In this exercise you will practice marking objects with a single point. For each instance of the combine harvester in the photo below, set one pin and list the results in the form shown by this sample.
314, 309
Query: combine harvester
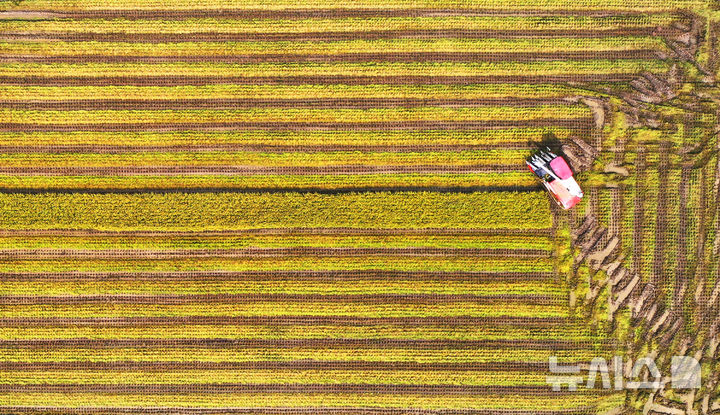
556, 176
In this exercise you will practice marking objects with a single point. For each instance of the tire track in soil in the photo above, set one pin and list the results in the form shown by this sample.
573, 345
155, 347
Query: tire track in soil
700, 271
682, 279
639, 212
658, 277
617, 196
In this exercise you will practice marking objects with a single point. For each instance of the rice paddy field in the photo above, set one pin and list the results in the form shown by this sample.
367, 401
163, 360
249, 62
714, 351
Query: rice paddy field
312, 207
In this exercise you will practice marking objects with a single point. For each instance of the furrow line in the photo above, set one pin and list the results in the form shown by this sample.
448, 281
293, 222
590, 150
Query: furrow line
167, 299
274, 190
434, 344
164, 366
245, 103
283, 275
260, 148
326, 36
648, 54
266, 253
271, 231
254, 170
219, 388
320, 13
175, 80
285, 320
581, 123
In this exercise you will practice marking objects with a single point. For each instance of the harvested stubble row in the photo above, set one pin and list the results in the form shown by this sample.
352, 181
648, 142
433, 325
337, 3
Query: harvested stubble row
298, 207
